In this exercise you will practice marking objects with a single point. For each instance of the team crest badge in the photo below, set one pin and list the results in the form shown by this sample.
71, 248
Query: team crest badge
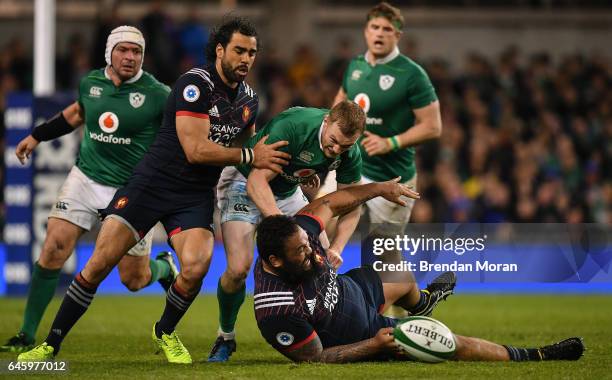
121, 203
137, 99
334, 165
385, 82
246, 113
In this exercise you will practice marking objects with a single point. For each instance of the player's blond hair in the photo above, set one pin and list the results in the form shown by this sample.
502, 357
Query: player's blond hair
350, 117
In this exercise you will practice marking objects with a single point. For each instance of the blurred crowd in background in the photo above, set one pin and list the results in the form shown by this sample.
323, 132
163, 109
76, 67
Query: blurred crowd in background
525, 138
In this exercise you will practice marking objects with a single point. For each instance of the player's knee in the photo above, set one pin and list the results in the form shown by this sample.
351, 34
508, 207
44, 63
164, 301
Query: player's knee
54, 253
193, 271
238, 274
134, 281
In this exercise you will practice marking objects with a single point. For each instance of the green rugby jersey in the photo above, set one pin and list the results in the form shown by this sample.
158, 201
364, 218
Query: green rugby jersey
120, 124
388, 92
301, 127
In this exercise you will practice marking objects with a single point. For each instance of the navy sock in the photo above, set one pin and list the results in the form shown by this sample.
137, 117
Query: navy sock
420, 304
177, 303
523, 354
76, 301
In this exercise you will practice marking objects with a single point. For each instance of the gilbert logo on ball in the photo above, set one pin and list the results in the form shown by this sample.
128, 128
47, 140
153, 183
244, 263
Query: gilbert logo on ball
425, 339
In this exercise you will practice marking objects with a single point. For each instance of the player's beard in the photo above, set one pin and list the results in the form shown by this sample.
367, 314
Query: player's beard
230, 72
295, 273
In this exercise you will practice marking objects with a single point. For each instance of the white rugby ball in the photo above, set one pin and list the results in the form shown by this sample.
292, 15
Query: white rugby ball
425, 339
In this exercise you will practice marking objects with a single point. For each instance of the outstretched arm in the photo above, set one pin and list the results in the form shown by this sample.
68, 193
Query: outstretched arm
345, 200
62, 123
313, 351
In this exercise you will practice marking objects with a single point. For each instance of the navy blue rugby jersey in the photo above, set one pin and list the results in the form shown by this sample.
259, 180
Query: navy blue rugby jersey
330, 306
200, 93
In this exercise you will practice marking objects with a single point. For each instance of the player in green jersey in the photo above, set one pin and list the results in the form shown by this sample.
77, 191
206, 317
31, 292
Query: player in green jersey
402, 111
121, 108
401, 107
319, 140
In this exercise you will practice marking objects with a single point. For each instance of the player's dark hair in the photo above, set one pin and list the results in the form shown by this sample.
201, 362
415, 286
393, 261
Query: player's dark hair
350, 117
389, 12
222, 34
272, 233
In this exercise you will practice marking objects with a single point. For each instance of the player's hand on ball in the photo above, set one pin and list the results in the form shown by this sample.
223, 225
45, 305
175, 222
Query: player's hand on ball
393, 191
269, 157
384, 342
25, 147
375, 145
334, 258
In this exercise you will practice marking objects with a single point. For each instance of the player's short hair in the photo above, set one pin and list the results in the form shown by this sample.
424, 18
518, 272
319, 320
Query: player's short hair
389, 12
222, 34
350, 117
272, 233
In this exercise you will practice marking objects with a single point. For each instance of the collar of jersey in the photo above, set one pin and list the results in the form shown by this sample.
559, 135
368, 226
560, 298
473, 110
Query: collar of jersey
131, 80
320, 133
390, 57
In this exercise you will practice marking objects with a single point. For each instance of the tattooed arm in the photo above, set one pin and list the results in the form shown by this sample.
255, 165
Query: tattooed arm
313, 351
343, 201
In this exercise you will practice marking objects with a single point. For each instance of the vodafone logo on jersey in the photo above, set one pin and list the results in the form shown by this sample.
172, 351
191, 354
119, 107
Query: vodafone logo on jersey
108, 122
363, 100
304, 173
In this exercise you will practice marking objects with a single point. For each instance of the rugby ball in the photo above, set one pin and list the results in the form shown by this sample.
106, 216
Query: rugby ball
425, 339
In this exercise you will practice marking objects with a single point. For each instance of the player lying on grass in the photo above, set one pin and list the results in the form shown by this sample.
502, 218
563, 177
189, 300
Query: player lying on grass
308, 312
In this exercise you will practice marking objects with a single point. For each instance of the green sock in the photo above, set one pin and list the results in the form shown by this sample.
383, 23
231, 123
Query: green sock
42, 287
159, 269
229, 305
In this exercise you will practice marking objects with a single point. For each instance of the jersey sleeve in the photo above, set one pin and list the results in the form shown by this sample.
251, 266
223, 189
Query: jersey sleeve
345, 76
312, 224
286, 332
192, 95
282, 129
421, 92
80, 91
349, 170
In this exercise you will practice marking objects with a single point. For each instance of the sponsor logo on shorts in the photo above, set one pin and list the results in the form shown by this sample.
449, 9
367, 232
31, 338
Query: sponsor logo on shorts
108, 122
241, 207
285, 338
137, 99
121, 203
191, 93
61, 205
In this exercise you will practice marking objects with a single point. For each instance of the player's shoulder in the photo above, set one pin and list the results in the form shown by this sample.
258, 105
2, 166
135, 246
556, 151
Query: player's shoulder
405, 63
248, 90
198, 76
93, 75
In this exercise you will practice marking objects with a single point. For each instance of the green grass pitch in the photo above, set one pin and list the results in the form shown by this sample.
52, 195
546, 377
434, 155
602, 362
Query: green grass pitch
112, 341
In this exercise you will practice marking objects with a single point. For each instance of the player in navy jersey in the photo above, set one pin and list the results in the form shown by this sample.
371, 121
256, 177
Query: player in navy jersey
308, 312
209, 110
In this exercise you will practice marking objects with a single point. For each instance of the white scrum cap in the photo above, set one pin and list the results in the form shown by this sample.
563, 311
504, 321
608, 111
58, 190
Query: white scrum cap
123, 33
